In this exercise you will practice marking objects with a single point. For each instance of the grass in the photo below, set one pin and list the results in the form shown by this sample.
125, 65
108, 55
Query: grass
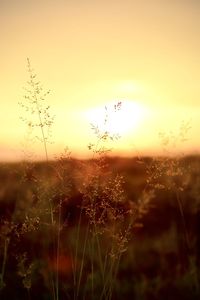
105, 228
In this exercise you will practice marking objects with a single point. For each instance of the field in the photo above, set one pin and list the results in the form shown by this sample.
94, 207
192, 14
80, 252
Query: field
105, 228
102, 228
100, 150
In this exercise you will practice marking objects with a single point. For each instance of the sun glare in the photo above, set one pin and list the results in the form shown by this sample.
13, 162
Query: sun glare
120, 121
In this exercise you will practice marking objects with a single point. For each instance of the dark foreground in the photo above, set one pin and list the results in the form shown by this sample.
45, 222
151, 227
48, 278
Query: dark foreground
110, 229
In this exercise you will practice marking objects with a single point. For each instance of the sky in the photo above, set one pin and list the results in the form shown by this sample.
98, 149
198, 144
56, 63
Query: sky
93, 54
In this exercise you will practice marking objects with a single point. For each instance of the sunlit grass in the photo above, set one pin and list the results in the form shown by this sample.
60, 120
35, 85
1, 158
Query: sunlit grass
71, 229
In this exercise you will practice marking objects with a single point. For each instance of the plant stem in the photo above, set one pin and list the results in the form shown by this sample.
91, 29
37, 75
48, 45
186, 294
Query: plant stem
6, 243
82, 261
180, 205
58, 249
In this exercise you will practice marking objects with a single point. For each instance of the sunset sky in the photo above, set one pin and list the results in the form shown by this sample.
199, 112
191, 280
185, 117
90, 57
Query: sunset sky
93, 54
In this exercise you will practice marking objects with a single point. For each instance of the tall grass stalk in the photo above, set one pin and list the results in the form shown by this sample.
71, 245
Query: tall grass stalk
92, 237
40, 118
5, 252
185, 232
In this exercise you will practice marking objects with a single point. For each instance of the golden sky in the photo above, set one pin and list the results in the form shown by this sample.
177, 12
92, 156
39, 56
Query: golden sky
89, 53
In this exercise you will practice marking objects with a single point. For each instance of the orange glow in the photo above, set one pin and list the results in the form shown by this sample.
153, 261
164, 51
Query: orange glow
95, 53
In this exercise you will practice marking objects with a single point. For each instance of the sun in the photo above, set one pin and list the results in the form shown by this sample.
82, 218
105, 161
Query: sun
121, 117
